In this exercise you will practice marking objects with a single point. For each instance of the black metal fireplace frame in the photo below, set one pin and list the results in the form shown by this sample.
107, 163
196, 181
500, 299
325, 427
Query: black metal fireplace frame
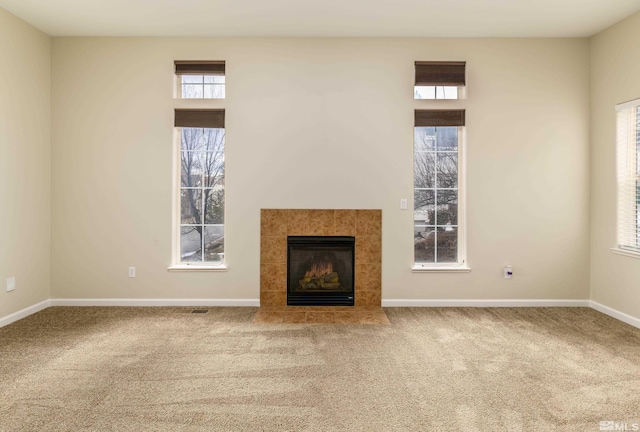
320, 298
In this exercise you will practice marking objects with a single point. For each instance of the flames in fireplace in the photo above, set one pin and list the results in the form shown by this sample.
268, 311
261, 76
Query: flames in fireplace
320, 276
319, 270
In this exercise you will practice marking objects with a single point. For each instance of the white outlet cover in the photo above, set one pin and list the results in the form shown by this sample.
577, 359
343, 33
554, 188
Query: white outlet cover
11, 284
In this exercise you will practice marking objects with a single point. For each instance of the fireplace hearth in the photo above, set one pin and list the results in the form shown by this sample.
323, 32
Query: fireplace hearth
320, 270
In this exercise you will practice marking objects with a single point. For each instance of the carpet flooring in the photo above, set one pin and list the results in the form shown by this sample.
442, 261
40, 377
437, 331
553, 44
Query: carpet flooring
430, 369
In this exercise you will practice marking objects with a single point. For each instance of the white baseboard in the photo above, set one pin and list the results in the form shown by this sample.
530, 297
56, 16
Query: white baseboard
9, 319
621, 316
256, 303
485, 303
155, 302
614, 313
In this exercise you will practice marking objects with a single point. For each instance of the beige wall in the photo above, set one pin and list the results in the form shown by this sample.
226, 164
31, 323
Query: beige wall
320, 123
25, 102
615, 78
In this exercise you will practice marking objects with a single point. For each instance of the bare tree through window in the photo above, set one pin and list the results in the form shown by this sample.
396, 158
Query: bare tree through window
202, 86
202, 194
436, 194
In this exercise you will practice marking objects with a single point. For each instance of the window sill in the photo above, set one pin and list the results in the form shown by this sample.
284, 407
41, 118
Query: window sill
202, 268
457, 269
625, 252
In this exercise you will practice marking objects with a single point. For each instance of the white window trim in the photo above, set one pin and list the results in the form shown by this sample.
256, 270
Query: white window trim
625, 252
628, 104
176, 264
462, 265
419, 268
175, 199
620, 249
197, 267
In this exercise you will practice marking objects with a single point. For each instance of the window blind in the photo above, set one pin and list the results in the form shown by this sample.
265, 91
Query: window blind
425, 118
440, 73
193, 67
199, 118
628, 167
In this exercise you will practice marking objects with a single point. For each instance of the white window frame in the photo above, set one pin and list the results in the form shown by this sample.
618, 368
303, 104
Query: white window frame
440, 77
176, 218
628, 179
177, 263
179, 84
461, 265
201, 69
460, 92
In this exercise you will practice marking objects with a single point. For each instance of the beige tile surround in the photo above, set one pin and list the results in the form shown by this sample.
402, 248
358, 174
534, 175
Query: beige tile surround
277, 224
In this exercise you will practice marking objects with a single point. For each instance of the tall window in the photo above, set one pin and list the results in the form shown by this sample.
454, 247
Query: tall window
628, 143
439, 80
201, 192
437, 187
200, 79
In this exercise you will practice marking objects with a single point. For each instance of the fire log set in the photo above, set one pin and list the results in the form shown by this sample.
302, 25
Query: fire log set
320, 276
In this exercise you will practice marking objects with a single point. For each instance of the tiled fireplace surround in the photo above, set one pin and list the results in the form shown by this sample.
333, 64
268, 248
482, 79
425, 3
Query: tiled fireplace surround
364, 225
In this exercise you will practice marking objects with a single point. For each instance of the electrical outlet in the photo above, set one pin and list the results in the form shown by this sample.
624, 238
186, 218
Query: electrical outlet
403, 204
11, 284
132, 272
508, 272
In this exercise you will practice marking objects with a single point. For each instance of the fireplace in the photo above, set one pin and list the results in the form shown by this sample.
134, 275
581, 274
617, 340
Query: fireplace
320, 270
364, 225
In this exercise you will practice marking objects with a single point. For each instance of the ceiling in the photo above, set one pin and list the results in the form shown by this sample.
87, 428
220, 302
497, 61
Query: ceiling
323, 18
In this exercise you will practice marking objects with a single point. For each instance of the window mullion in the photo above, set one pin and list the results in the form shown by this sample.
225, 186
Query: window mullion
435, 197
201, 221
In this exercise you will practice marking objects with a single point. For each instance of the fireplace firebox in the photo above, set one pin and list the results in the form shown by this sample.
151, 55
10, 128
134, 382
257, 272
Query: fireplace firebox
320, 270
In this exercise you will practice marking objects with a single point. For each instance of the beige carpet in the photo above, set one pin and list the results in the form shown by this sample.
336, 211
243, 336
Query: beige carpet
161, 369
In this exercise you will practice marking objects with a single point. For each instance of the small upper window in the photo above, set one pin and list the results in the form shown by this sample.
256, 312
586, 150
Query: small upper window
200, 79
439, 80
